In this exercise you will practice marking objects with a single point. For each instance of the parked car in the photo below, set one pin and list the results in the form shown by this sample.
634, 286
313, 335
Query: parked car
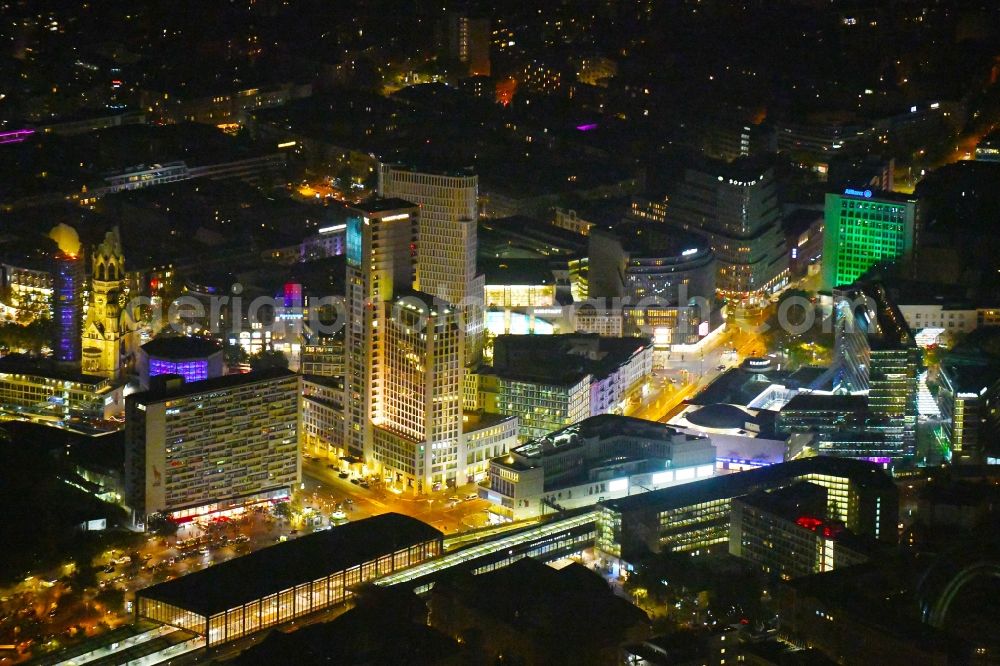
343, 475
471, 496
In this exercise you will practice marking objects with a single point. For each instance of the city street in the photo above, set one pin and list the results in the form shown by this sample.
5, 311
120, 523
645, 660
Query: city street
324, 489
684, 374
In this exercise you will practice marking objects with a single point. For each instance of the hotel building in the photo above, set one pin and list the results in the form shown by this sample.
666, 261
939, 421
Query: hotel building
446, 240
211, 446
381, 236
736, 207
418, 425
863, 228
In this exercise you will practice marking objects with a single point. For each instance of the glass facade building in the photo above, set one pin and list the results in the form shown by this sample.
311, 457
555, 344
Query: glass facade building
67, 306
254, 592
695, 517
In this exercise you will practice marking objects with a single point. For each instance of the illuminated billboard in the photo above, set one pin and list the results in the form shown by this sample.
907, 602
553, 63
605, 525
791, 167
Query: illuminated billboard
353, 240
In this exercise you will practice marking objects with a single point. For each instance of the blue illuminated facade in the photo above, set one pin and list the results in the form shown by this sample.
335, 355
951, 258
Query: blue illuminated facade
66, 306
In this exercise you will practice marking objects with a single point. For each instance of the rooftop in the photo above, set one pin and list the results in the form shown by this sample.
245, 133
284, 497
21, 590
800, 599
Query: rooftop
517, 271
161, 393
826, 402
600, 427
21, 365
181, 347
380, 205
561, 359
655, 240
863, 473
287, 564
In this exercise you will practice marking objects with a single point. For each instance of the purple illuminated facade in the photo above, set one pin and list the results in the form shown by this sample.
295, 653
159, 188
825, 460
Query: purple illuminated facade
192, 371
193, 358
66, 306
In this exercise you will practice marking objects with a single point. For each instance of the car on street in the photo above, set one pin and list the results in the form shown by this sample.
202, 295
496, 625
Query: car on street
471, 496
331, 466
356, 481
343, 475
721, 367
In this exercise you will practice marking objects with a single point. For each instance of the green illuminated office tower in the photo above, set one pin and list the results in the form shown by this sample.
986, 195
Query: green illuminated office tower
864, 228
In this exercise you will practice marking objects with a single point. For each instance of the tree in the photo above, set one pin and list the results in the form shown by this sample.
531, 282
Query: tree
234, 354
162, 526
268, 359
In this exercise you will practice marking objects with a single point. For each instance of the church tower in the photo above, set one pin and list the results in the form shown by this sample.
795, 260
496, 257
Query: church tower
107, 330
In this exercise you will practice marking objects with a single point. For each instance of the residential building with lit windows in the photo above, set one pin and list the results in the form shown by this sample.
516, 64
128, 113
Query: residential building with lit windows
212, 446
649, 210
468, 42
787, 534
446, 240
253, 593
599, 458
863, 228
322, 415
735, 206
570, 220
324, 356
695, 517
876, 355
28, 289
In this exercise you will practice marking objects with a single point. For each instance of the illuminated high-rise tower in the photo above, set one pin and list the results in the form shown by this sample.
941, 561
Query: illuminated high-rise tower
381, 237
404, 351
862, 229
446, 241
876, 356
67, 293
